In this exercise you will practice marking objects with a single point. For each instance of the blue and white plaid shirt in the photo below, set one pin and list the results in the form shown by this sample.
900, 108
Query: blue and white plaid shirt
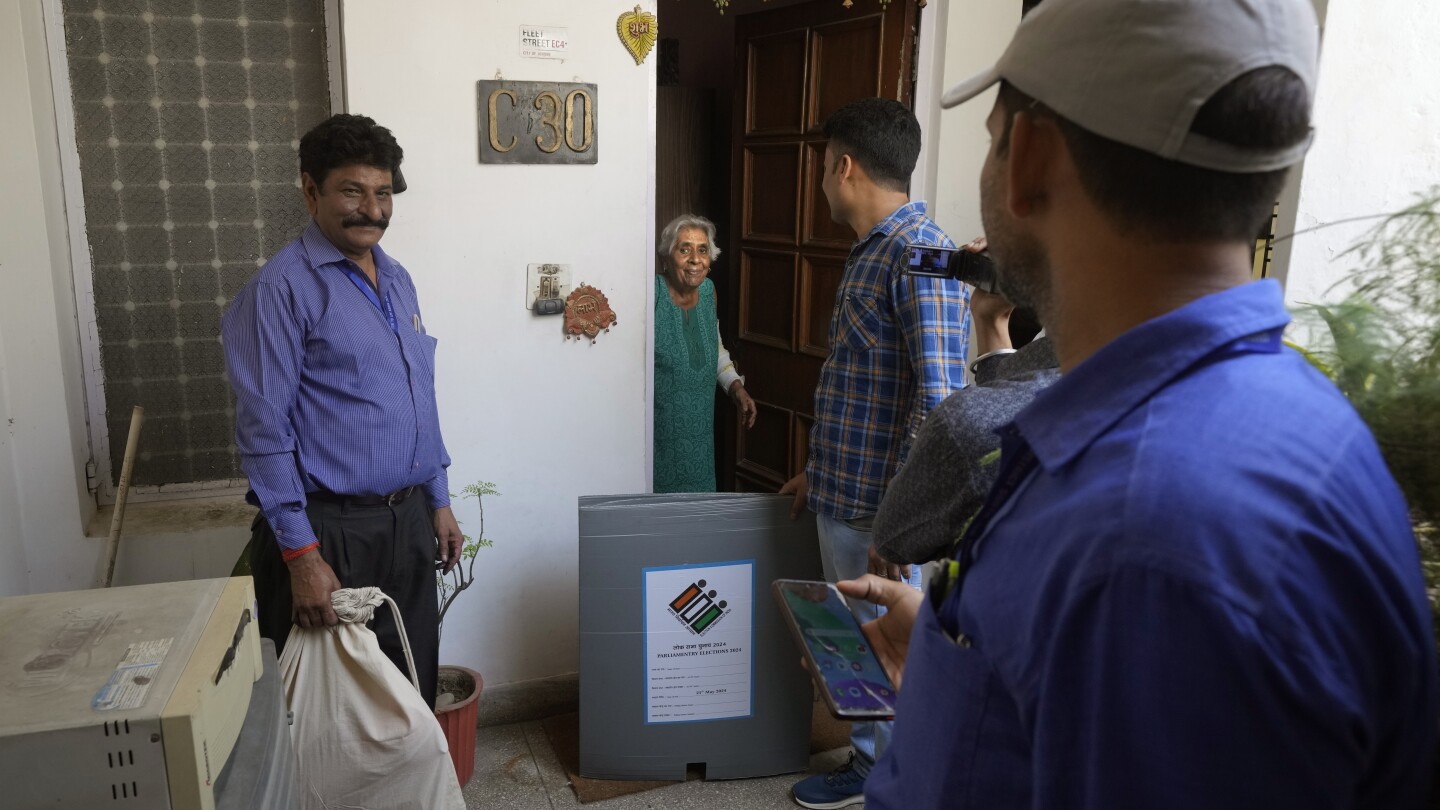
327, 395
898, 345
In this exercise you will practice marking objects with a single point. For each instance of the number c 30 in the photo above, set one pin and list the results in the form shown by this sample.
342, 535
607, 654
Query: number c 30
550, 119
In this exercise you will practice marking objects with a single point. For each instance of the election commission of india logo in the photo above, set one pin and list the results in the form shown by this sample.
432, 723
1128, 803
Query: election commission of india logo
697, 608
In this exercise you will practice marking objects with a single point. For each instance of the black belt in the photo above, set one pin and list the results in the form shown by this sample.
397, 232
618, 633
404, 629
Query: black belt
393, 499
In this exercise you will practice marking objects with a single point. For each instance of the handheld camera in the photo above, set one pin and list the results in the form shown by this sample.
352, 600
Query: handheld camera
975, 269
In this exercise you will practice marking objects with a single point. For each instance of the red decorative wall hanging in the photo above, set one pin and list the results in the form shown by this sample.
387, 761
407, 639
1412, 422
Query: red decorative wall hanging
587, 311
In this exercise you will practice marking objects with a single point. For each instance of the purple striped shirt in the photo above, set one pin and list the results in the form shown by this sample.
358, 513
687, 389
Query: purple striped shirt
327, 396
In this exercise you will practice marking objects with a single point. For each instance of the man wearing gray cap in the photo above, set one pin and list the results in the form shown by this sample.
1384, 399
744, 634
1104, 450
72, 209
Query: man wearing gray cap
1195, 583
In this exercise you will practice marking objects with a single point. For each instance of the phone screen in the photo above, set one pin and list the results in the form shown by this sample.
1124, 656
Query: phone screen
855, 684
929, 260
975, 269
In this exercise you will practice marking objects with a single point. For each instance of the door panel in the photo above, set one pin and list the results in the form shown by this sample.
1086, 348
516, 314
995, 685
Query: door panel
800, 441
844, 60
776, 83
819, 278
745, 482
765, 449
772, 176
767, 298
795, 66
820, 230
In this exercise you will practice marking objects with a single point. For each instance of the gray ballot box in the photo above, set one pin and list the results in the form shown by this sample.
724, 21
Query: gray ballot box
684, 657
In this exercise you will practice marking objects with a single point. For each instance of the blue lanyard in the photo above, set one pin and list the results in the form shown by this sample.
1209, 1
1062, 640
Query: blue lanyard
388, 310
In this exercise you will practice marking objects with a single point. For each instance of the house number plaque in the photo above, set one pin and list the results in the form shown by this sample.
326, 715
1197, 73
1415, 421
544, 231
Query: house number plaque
537, 122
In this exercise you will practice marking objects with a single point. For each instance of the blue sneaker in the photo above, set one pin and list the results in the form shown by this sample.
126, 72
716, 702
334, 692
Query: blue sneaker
841, 787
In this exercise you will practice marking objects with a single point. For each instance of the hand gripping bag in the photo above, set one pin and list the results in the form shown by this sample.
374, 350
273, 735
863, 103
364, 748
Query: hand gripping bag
364, 738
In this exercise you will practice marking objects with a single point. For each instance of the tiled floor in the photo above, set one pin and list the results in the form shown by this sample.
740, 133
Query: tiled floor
516, 769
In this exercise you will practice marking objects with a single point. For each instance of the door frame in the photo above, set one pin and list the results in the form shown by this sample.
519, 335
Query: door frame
929, 86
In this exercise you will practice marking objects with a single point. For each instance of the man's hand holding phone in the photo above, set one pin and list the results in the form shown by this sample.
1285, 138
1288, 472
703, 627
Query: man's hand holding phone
839, 656
889, 635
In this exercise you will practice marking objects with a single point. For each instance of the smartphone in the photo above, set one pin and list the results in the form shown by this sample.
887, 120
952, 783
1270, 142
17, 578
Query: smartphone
975, 269
841, 661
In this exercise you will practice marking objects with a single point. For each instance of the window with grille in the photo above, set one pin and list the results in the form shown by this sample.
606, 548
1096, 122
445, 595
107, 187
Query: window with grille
1265, 246
188, 115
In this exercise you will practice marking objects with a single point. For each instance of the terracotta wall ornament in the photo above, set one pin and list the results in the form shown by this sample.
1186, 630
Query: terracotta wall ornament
587, 311
638, 30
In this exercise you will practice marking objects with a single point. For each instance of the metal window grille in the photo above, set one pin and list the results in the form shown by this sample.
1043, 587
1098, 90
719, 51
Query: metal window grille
188, 115
1265, 246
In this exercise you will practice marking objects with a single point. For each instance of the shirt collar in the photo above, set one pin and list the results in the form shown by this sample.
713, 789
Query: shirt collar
888, 225
322, 252
1069, 416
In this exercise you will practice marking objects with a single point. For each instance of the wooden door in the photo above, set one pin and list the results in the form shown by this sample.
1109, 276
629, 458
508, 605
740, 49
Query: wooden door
794, 67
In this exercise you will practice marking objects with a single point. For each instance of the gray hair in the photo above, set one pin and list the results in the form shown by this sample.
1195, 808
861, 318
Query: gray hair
671, 235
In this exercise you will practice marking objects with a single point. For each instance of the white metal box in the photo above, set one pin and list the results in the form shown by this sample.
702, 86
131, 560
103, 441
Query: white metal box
126, 697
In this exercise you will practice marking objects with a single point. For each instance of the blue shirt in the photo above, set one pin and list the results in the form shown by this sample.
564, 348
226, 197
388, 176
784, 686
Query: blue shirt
897, 348
1206, 595
327, 395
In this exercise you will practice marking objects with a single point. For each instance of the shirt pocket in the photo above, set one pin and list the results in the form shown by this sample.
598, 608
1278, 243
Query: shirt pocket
859, 323
427, 352
944, 704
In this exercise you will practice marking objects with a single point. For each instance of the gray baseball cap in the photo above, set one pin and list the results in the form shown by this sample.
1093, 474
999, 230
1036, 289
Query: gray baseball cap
1137, 71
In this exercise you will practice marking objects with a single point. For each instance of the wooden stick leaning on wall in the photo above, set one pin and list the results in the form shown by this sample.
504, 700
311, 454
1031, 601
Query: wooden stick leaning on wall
112, 548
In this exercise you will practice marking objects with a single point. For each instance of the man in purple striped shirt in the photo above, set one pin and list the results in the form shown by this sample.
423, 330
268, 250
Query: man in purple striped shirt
336, 421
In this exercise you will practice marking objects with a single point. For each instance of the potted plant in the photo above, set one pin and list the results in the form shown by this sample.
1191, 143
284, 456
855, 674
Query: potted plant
457, 700
1381, 345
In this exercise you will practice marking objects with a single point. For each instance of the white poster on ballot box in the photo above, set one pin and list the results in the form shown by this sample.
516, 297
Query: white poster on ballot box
699, 642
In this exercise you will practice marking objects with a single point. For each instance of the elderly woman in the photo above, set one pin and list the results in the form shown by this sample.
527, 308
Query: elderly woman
689, 359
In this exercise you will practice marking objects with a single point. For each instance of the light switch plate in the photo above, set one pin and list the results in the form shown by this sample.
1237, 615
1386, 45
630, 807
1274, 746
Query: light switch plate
554, 277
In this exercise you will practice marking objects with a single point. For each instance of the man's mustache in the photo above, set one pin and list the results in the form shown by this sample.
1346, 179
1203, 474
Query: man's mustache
362, 221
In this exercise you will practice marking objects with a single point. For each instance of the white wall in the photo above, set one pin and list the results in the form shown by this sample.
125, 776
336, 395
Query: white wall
1377, 122
43, 506
544, 419
976, 33
929, 86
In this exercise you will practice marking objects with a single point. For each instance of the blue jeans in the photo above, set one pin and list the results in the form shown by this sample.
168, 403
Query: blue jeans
844, 553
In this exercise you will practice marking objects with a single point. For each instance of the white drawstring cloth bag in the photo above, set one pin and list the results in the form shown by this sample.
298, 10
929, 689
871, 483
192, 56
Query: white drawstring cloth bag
364, 738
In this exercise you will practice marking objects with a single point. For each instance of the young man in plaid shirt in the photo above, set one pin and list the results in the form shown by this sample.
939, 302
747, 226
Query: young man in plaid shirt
897, 348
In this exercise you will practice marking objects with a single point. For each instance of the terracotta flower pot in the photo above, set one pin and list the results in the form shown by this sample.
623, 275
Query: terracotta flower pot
459, 719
